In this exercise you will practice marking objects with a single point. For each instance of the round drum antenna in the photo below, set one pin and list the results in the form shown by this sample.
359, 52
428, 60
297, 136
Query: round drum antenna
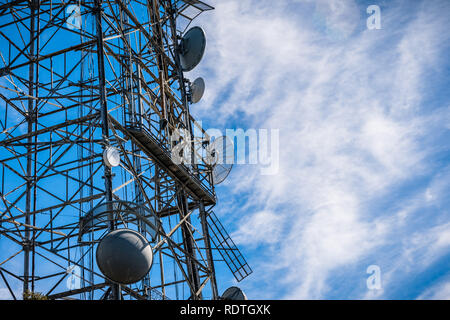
111, 157
192, 47
124, 256
197, 90
234, 293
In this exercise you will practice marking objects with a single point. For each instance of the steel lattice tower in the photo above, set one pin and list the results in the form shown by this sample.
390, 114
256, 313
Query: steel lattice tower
76, 78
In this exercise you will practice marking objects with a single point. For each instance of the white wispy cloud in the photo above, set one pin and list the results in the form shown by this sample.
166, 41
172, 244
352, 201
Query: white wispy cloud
440, 291
353, 129
262, 227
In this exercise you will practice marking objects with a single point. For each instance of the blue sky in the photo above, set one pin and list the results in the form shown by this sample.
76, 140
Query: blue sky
364, 119
364, 127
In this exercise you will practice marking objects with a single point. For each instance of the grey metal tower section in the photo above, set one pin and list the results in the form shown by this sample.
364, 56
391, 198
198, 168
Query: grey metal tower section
78, 77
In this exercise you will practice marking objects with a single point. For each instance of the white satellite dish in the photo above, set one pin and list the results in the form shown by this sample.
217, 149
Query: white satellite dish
192, 47
220, 155
234, 293
111, 157
197, 90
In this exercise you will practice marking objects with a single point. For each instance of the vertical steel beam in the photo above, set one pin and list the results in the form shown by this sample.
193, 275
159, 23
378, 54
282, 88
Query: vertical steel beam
189, 245
30, 121
116, 291
157, 33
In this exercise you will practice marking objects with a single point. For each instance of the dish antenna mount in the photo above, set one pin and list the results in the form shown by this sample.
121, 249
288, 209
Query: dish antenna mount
220, 155
192, 48
197, 89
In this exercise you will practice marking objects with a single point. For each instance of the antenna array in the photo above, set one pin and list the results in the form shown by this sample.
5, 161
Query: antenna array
92, 93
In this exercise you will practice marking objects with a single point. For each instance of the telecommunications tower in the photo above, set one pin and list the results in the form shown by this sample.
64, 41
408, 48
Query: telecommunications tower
107, 181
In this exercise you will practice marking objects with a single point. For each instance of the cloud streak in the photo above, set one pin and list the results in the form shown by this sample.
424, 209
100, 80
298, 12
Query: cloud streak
354, 134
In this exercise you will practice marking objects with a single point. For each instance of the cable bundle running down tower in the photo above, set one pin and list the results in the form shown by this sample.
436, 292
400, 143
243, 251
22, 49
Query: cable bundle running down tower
98, 200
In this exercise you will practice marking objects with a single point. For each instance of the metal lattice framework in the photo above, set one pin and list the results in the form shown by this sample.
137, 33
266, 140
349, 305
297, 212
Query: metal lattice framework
77, 77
